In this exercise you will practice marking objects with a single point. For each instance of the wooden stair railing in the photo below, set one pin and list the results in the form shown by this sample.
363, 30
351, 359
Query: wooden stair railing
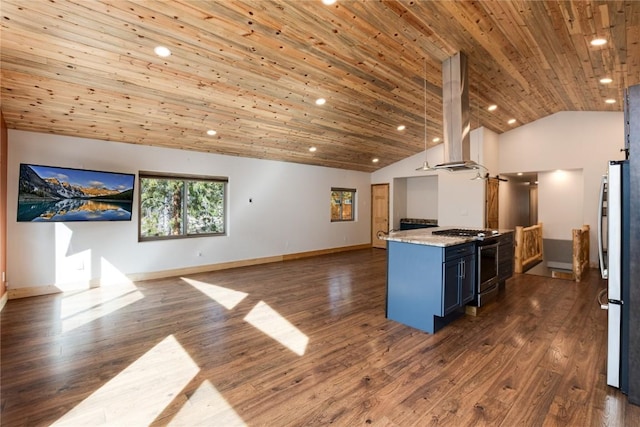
528, 246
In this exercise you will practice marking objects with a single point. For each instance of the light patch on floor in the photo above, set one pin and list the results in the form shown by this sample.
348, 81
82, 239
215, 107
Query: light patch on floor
226, 297
277, 327
80, 308
207, 407
138, 394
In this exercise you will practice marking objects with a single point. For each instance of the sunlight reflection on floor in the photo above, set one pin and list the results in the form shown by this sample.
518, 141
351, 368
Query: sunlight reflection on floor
138, 394
277, 327
207, 407
80, 308
226, 297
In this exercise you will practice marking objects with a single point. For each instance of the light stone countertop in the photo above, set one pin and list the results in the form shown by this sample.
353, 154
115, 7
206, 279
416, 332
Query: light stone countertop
424, 236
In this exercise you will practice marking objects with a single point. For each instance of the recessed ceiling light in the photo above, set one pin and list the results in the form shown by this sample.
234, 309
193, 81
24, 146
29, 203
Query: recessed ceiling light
610, 101
401, 127
606, 80
519, 173
162, 51
598, 42
211, 132
493, 107
320, 101
436, 139
376, 160
312, 149
511, 121
328, 2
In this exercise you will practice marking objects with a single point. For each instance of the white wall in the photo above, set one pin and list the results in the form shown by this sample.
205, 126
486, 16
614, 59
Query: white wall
422, 197
460, 200
397, 202
560, 203
569, 141
403, 169
514, 204
290, 213
582, 141
488, 142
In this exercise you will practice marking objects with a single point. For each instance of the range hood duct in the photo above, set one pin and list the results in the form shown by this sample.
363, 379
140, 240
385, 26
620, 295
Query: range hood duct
456, 117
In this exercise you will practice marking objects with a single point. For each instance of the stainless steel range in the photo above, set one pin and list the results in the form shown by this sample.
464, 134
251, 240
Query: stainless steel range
478, 234
487, 261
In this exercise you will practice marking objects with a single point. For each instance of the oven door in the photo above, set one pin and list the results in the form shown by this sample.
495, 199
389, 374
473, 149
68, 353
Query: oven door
487, 266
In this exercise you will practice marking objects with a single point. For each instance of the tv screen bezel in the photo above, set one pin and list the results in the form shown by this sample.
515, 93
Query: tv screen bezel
131, 177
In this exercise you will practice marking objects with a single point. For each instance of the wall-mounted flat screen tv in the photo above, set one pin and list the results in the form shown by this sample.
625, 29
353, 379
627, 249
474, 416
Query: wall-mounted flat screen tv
53, 194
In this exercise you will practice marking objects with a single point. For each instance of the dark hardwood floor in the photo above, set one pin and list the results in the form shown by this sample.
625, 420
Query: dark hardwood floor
305, 342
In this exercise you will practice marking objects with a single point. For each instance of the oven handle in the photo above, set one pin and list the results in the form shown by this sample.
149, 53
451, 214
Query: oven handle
488, 245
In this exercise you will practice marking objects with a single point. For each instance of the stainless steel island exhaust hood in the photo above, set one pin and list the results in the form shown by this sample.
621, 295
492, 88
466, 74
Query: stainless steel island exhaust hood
464, 165
456, 121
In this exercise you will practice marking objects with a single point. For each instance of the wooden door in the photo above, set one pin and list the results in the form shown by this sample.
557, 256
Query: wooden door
379, 213
491, 203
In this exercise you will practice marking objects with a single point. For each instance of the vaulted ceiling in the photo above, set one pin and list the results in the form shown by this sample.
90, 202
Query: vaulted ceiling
252, 70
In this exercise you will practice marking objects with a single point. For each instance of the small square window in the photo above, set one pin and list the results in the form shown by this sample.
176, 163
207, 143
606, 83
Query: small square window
343, 204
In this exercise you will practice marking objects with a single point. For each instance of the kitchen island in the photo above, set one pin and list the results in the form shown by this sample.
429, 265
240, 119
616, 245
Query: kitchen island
430, 277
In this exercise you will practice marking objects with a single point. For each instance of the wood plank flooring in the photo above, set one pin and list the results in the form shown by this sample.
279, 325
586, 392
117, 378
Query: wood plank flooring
305, 342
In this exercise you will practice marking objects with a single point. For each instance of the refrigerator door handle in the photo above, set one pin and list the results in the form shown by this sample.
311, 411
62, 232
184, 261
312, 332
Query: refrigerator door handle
601, 238
603, 306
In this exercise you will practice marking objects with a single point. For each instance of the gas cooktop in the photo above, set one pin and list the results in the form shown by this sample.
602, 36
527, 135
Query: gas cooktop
467, 232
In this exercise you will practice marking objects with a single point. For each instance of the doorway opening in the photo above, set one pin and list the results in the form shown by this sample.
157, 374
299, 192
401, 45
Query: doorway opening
555, 199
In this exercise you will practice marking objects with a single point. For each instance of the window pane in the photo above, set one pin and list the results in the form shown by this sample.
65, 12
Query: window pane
347, 205
336, 203
160, 207
342, 204
175, 207
205, 204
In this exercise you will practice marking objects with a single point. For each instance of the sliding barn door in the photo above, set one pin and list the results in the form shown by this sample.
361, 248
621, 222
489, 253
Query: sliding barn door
491, 203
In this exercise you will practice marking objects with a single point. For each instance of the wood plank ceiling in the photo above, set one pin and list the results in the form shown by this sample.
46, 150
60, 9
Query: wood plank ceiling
251, 70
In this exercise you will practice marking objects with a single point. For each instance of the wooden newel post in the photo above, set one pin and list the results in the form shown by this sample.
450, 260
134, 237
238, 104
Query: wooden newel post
518, 253
580, 251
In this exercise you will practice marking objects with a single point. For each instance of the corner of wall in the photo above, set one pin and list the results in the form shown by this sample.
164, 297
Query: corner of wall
3, 209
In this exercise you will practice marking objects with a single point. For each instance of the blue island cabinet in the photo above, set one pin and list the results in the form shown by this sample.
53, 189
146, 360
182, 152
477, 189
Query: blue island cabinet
428, 286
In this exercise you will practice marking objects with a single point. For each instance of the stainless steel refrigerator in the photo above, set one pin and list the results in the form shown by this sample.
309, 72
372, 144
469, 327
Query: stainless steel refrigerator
613, 242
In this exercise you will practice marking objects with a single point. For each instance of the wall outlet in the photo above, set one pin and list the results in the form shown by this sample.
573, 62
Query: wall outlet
199, 253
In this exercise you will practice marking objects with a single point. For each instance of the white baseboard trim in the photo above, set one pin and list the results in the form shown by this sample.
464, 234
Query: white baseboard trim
15, 293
